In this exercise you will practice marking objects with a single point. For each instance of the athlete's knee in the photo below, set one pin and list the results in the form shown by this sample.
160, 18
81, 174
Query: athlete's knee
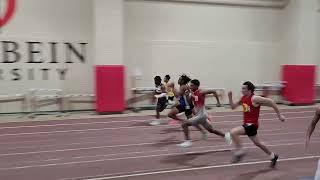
233, 132
209, 128
184, 125
171, 115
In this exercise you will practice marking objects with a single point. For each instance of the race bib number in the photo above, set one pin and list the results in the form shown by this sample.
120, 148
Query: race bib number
246, 108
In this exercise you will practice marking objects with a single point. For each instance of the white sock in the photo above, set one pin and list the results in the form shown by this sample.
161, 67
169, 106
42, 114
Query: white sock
227, 134
272, 155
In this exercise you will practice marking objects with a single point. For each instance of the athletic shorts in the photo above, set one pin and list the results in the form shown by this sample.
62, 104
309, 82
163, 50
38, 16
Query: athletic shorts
171, 98
187, 112
201, 118
162, 104
251, 130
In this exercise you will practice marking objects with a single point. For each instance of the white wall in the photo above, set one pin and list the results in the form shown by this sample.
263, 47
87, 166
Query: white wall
300, 38
50, 21
108, 33
220, 45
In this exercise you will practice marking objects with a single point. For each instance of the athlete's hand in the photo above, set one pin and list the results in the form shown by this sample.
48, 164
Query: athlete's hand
282, 118
230, 94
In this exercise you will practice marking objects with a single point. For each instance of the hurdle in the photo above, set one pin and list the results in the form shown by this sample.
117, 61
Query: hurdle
221, 92
45, 97
140, 94
15, 98
272, 89
70, 99
147, 93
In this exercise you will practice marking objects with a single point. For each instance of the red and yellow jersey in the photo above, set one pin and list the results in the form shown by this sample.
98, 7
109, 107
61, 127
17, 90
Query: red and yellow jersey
250, 112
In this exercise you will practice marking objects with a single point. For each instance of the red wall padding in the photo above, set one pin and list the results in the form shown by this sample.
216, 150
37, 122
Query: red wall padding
301, 80
110, 94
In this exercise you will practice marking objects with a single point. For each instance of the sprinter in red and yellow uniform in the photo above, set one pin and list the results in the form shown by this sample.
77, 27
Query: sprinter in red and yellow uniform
251, 104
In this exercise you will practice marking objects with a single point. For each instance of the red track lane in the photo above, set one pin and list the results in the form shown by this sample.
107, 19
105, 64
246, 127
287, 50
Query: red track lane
128, 148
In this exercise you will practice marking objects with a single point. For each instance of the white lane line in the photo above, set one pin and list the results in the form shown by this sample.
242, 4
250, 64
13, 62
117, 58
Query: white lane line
126, 121
202, 168
315, 140
89, 142
135, 127
97, 142
115, 146
135, 157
